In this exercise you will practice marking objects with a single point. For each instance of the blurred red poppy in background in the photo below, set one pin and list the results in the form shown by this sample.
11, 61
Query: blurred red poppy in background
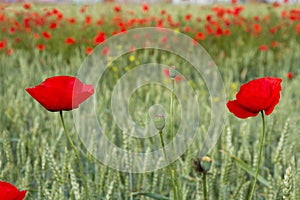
88, 50
46, 35
263, 48
88, 20
145, 7
117, 8
40, 47
53, 25
261, 94
10, 192
290, 75
99, 38
2, 44
61, 93
200, 36
70, 40
26, 5
9, 52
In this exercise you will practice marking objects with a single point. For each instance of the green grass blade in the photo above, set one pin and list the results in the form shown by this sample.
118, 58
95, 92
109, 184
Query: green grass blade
246, 167
151, 195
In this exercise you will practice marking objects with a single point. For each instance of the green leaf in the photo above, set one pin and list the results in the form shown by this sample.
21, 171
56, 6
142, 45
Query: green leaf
247, 168
151, 195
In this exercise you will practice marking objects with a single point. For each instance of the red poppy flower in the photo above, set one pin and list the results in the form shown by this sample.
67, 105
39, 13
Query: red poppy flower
200, 36
88, 50
187, 17
71, 20
257, 28
59, 16
99, 22
226, 32
26, 5
186, 29
61, 93
218, 32
100, 37
208, 18
46, 35
276, 4
290, 75
145, 7
53, 25
36, 36
273, 30
88, 20
82, 10
274, 44
117, 8
105, 51
283, 14
55, 11
10, 192
209, 29
40, 47
9, 52
12, 30
261, 94
2, 44
70, 40
263, 48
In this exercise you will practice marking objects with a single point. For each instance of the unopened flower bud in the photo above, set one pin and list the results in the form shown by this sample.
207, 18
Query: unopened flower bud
173, 73
203, 164
159, 122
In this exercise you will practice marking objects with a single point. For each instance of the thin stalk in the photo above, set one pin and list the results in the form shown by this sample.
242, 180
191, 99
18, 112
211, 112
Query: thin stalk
260, 152
169, 167
171, 114
131, 187
172, 135
204, 186
76, 155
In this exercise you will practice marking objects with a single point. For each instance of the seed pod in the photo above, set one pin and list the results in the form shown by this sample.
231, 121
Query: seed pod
159, 122
173, 73
203, 164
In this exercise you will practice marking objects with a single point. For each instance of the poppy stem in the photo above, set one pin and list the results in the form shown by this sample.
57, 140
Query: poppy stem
172, 135
169, 167
76, 155
204, 186
260, 152
171, 113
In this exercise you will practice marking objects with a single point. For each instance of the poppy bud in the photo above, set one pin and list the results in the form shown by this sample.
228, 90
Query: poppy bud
203, 164
159, 122
173, 73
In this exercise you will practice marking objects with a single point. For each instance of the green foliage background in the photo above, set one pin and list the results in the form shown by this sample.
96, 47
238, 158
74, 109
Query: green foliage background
34, 154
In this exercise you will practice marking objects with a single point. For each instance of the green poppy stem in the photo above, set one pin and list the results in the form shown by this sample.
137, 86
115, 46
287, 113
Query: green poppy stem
169, 167
204, 186
260, 152
171, 114
172, 135
76, 155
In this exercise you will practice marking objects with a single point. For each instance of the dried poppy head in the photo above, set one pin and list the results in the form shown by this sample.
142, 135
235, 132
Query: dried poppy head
202, 164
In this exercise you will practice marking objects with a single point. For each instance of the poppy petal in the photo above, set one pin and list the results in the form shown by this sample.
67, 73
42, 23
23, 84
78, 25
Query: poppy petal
239, 111
61, 93
255, 96
10, 192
